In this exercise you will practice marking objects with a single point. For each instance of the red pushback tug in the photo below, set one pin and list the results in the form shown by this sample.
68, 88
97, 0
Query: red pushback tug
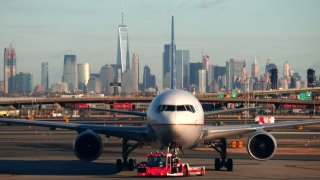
160, 164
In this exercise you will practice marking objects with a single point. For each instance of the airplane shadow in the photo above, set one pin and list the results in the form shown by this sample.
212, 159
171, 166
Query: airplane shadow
55, 167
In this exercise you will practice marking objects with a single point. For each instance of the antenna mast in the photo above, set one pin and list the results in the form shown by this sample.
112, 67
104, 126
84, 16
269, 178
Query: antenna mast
122, 14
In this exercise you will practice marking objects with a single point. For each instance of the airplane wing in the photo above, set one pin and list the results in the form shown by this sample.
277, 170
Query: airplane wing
138, 133
217, 132
136, 113
231, 110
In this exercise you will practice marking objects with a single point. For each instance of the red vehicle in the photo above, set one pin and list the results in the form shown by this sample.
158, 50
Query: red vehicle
122, 106
160, 164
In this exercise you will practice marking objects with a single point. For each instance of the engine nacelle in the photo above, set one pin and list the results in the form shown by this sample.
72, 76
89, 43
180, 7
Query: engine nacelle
87, 146
261, 145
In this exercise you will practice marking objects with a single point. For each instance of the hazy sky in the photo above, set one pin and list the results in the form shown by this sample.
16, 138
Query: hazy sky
43, 30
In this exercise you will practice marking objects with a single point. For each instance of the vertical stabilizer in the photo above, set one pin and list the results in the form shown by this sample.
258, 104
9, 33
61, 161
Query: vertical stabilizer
173, 57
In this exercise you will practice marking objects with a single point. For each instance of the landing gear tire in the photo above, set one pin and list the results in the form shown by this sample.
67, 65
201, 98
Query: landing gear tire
124, 163
118, 165
217, 164
229, 164
221, 147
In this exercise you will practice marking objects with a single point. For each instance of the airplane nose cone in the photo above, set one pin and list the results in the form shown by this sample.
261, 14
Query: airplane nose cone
169, 117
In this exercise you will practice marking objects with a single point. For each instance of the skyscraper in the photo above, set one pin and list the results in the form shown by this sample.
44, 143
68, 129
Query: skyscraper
122, 53
286, 70
94, 84
202, 81
255, 70
166, 66
24, 83
149, 80
127, 82
70, 73
194, 73
45, 75
123, 49
218, 71
274, 78
182, 71
83, 75
10, 69
269, 66
205, 62
169, 62
234, 71
135, 73
311, 78
173, 57
59, 87
107, 75
206, 67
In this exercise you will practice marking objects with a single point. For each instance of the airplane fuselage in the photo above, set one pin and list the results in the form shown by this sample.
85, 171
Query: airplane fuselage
176, 118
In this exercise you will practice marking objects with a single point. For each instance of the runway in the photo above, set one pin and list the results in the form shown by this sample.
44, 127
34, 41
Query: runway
37, 153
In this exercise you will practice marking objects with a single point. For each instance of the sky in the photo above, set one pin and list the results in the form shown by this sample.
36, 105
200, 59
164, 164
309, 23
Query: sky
45, 30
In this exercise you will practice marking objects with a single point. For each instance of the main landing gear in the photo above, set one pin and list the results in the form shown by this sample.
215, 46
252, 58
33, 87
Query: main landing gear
221, 147
124, 163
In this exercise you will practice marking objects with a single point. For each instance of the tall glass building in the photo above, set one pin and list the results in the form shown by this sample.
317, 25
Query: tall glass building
70, 73
194, 73
83, 75
45, 75
24, 83
107, 75
123, 48
122, 53
166, 69
234, 70
10, 70
135, 73
182, 64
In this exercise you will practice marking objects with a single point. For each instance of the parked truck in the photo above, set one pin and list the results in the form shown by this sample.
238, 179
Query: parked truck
264, 119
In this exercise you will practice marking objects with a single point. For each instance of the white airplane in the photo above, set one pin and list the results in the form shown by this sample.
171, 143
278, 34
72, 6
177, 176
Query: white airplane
175, 119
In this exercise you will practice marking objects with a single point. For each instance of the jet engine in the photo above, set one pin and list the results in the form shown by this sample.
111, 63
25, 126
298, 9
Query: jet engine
261, 145
87, 146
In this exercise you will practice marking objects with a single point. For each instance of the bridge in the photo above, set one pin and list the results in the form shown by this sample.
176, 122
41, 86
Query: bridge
17, 102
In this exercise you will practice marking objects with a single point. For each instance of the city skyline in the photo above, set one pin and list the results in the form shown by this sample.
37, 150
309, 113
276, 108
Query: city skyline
292, 37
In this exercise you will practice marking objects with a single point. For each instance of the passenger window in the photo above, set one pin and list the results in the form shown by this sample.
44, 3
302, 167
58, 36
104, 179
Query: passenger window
181, 108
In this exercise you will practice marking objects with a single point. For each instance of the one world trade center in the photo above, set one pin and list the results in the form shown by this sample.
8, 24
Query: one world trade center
123, 51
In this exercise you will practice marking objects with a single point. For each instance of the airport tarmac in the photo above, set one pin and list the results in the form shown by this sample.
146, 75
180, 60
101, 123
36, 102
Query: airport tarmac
37, 153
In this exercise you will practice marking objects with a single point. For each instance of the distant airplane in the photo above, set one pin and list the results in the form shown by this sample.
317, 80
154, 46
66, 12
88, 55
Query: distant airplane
175, 119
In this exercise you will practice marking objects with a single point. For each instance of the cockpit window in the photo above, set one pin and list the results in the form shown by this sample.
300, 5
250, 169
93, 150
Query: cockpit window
190, 108
161, 108
171, 108
181, 108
